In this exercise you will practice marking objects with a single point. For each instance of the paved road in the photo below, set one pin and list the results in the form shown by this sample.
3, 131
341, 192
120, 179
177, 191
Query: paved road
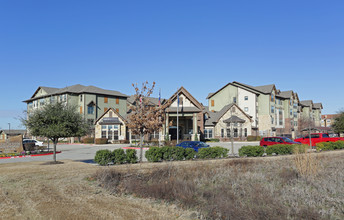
86, 152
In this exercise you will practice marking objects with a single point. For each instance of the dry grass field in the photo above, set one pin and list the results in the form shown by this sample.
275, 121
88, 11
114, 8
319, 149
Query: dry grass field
64, 191
301, 186
257, 188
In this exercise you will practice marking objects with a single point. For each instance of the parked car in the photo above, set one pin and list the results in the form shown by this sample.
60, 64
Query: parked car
267, 141
317, 138
196, 145
37, 143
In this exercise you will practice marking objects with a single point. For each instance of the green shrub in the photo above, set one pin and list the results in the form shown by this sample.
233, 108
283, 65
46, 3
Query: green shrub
251, 151
101, 141
280, 149
131, 156
326, 146
213, 140
103, 157
88, 140
190, 153
178, 153
154, 154
254, 138
212, 152
166, 153
118, 156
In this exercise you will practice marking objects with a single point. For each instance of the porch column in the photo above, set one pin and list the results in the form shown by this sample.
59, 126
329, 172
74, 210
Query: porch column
166, 125
194, 127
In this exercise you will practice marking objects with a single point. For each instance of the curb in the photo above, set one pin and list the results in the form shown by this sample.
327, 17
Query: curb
33, 155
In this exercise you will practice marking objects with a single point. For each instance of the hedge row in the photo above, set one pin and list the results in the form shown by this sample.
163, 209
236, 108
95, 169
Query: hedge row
118, 156
254, 138
325, 146
156, 154
251, 151
101, 141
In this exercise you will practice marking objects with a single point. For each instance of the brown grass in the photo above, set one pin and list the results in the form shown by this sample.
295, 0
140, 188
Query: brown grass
261, 188
65, 191
306, 162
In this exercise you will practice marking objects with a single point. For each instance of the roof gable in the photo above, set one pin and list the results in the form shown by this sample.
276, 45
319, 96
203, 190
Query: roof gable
188, 96
114, 111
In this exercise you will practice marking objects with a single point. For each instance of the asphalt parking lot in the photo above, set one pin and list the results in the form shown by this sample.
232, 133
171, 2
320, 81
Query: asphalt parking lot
86, 152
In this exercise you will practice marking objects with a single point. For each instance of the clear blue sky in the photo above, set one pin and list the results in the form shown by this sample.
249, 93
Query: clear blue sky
201, 45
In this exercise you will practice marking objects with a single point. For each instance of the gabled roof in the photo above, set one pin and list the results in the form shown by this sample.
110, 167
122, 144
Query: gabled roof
306, 103
13, 131
237, 84
214, 117
188, 95
318, 105
286, 94
113, 110
77, 89
48, 90
267, 89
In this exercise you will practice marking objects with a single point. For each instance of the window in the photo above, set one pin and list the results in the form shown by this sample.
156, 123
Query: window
80, 98
52, 99
90, 109
228, 132
80, 109
222, 132
208, 133
245, 131
280, 122
272, 109
246, 109
295, 114
272, 120
272, 98
117, 110
235, 132
117, 101
212, 103
104, 131
105, 99
41, 102
246, 98
234, 100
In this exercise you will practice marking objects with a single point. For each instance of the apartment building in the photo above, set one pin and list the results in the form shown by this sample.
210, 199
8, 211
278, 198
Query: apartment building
328, 119
90, 101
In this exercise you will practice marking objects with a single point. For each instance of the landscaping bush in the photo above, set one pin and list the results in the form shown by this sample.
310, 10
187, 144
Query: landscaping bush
178, 153
103, 157
118, 156
166, 153
29, 146
154, 154
280, 149
251, 151
101, 141
254, 138
212, 152
131, 156
88, 140
326, 146
212, 140
190, 153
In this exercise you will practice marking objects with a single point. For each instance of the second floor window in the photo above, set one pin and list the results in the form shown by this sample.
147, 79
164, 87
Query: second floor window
105, 99
272, 109
234, 100
246, 98
90, 110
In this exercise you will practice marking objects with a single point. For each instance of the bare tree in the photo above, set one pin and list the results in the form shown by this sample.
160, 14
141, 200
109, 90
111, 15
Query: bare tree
306, 124
144, 117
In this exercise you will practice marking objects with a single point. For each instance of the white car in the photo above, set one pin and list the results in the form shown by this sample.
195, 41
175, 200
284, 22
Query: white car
37, 143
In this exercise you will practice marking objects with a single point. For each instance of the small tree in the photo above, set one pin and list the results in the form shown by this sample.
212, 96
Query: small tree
144, 116
338, 125
56, 121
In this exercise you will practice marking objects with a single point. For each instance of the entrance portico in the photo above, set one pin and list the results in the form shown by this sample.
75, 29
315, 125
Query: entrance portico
190, 117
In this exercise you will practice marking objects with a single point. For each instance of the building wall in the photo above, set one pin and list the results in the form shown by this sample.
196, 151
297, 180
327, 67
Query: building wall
223, 98
122, 132
221, 125
250, 103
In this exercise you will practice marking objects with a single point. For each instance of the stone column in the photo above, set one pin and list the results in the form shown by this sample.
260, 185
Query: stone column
194, 123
